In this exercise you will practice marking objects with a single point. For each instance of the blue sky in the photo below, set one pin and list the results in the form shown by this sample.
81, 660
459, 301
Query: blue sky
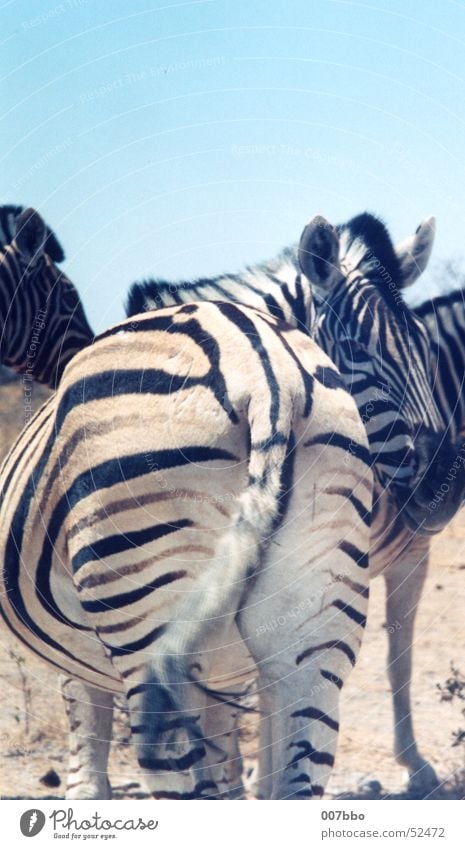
188, 138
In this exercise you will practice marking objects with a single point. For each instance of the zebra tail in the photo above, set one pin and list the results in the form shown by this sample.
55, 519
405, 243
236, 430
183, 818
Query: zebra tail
205, 620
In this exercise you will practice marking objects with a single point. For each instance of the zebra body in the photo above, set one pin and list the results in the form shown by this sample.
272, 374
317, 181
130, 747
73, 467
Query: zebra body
444, 317
162, 554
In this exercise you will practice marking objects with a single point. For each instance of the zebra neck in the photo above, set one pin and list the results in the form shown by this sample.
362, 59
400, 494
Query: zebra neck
445, 319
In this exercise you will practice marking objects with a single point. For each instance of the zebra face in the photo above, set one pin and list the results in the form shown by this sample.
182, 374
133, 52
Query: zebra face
43, 320
438, 487
382, 350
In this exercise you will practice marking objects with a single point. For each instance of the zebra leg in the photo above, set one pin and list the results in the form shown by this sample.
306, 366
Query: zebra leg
404, 586
166, 724
303, 623
300, 732
304, 652
223, 754
90, 717
232, 672
262, 780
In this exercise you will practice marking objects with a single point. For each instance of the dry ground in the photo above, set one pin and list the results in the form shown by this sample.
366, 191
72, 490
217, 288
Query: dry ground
32, 723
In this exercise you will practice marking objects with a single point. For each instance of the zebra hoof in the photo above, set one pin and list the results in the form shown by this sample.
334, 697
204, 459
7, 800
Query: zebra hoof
235, 793
252, 785
90, 792
370, 789
423, 781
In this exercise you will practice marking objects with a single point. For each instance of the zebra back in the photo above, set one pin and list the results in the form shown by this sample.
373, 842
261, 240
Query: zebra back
275, 287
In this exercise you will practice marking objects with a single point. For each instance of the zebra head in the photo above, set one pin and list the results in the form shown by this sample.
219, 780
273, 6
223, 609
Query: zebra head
383, 352
42, 318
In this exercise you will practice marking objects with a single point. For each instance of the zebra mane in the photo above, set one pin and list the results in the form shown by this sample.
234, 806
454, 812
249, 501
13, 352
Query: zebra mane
142, 295
367, 238
148, 294
8, 215
288, 255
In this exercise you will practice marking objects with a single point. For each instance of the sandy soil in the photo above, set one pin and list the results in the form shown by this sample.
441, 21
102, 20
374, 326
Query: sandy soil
32, 723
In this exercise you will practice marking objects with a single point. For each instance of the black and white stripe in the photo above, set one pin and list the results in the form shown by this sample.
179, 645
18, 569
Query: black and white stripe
275, 287
42, 319
444, 317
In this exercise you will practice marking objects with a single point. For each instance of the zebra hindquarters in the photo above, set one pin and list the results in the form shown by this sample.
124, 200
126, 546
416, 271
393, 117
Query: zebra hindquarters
136, 598
303, 620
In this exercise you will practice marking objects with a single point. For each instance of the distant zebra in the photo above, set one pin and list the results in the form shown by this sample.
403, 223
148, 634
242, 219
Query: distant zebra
42, 320
200, 475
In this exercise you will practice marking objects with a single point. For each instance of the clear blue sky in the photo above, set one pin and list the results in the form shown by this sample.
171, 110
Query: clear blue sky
181, 139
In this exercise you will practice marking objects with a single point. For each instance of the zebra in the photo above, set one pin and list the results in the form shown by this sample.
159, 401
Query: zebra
42, 318
175, 496
407, 554
279, 285
44, 325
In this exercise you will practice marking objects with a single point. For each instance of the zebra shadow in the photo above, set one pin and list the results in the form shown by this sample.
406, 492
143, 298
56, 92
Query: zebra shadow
451, 789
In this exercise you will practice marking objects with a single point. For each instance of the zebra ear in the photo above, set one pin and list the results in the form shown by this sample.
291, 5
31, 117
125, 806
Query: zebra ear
53, 247
414, 253
319, 253
31, 234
